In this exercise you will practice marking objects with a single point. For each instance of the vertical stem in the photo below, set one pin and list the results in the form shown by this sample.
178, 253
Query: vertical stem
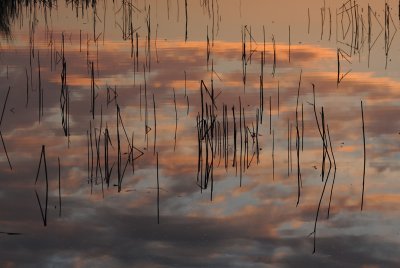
186, 21
176, 120
241, 141
270, 115
59, 187
273, 155
289, 43
155, 125
5, 150
302, 126
119, 152
158, 195
278, 98
288, 147
363, 129
47, 184
80, 40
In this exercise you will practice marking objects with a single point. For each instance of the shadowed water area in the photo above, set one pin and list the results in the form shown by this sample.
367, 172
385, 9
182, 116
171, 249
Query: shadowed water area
211, 133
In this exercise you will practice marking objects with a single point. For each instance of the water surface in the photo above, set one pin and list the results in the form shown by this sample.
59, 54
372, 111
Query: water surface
73, 71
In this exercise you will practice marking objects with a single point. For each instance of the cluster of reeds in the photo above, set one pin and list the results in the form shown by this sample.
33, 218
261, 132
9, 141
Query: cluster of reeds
355, 31
11, 10
216, 130
327, 154
349, 12
323, 19
211, 8
247, 57
389, 26
213, 138
372, 16
133, 153
341, 54
95, 166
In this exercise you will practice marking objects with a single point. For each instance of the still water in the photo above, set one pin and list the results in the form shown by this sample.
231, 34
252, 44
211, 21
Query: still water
209, 133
